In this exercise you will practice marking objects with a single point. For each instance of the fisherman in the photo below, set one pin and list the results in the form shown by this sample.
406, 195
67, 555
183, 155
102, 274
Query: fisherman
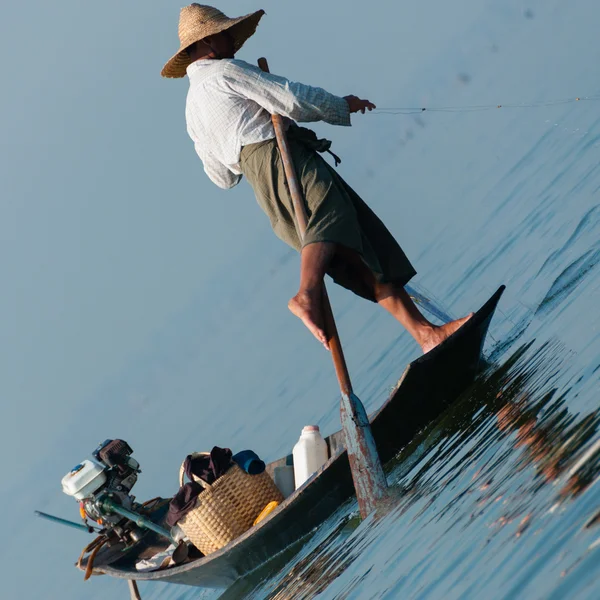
228, 114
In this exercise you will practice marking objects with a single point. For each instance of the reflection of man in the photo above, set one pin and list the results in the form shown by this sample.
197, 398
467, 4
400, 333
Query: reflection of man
553, 442
228, 113
531, 437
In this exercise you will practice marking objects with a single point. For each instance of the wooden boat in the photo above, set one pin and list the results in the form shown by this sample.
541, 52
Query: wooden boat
428, 385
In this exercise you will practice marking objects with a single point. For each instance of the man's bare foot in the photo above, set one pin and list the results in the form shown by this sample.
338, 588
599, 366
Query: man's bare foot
439, 334
307, 306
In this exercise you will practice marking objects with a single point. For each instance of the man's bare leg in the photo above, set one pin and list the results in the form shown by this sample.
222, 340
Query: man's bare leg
307, 303
399, 304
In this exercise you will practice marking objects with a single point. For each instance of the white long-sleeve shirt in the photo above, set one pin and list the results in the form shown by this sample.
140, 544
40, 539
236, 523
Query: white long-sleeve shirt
230, 103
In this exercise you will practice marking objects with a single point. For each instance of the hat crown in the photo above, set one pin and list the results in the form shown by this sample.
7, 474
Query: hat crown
197, 22
198, 18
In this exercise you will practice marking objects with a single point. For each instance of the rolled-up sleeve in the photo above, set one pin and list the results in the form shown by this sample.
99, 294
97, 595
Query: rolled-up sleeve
278, 95
218, 173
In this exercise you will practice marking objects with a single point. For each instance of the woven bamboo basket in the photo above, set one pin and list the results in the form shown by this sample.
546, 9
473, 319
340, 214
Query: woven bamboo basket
227, 508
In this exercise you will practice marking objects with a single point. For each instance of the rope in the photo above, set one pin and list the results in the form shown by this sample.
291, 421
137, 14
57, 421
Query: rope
479, 107
94, 547
90, 563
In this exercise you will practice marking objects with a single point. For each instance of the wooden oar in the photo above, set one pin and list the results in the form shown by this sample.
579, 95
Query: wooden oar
367, 473
134, 592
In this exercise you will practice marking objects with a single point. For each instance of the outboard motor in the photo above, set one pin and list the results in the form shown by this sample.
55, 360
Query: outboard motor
113, 474
103, 488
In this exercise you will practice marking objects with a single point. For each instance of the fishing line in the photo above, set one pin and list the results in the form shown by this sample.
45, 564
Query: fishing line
479, 107
423, 297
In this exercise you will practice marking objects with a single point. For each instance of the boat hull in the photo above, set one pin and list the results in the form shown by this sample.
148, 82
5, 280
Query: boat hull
428, 385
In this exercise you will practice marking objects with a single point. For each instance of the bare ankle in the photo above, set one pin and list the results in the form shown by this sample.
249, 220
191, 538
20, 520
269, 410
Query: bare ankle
441, 333
311, 292
306, 306
424, 333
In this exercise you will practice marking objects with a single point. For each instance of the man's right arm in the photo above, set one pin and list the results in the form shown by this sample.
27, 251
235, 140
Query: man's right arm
278, 95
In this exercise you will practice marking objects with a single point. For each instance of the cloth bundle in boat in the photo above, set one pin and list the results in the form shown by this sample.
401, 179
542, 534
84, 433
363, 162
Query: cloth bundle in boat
226, 508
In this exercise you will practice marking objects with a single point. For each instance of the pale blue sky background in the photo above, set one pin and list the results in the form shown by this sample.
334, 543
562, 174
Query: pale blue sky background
109, 225
124, 267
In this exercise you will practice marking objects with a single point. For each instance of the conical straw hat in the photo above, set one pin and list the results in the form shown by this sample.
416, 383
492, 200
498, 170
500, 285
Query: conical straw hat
197, 22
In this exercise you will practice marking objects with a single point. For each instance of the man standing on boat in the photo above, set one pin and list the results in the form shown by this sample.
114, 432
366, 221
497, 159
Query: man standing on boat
228, 114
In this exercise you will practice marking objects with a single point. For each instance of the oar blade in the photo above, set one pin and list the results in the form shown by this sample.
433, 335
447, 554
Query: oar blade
367, 472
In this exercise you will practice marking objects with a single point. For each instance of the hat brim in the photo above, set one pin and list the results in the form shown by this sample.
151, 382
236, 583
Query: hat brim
241, 29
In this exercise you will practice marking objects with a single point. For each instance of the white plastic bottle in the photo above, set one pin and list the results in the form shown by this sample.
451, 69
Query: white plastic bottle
310, 454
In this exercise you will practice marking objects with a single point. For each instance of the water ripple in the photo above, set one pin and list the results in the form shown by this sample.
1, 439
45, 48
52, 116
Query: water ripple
568, 280
497, 468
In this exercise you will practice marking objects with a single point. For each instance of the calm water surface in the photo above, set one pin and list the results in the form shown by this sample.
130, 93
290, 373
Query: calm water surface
498, 498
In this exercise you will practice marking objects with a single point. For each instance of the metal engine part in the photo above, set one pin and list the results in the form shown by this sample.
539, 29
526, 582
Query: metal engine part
103, 487
122, 469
